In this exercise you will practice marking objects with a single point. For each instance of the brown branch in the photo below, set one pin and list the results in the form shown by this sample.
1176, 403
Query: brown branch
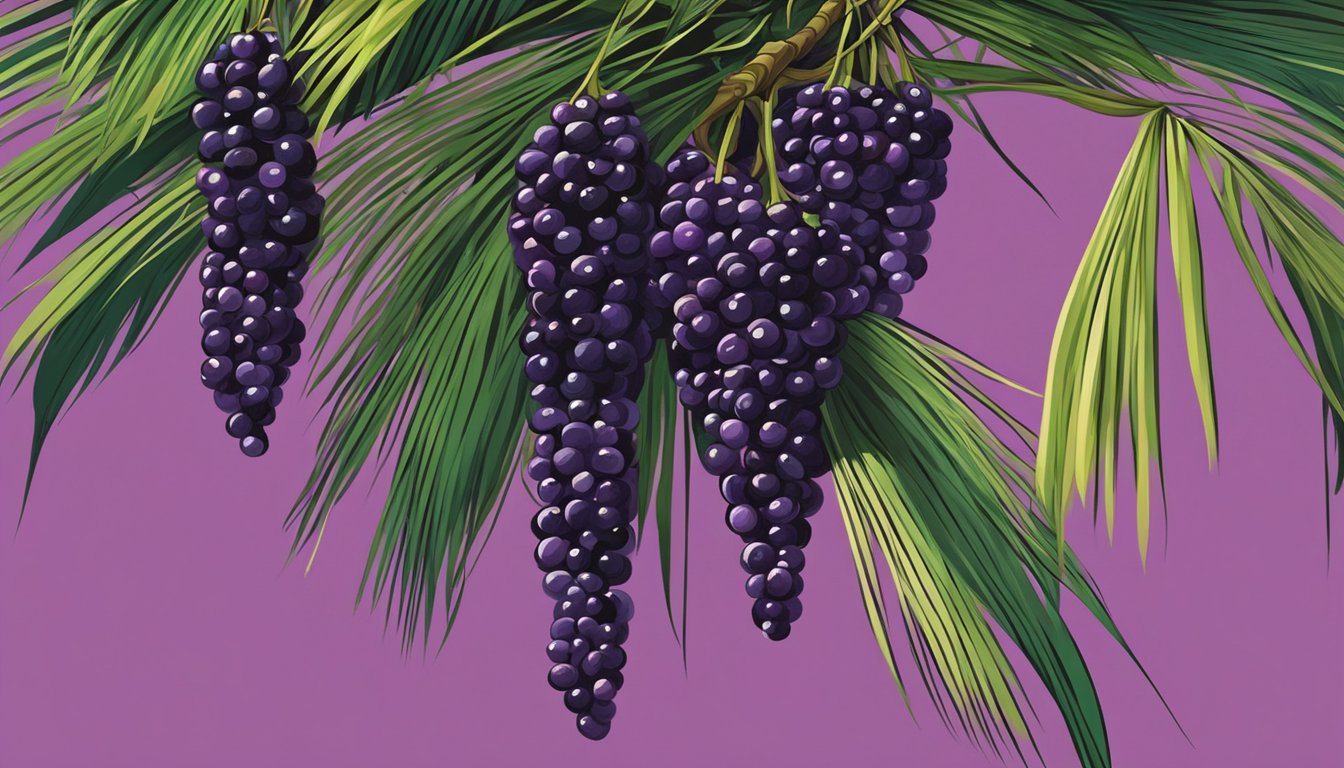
759, 74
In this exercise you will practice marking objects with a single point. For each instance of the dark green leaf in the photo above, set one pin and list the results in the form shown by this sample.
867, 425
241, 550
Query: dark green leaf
113, 288
1050, 36
436, 31
660, 417
1289, 49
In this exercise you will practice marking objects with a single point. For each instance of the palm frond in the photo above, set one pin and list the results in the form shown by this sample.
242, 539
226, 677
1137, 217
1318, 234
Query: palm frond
125, 77
120, 183
1284, 49
1051, 38
34, 57
441, 33
344, 41
1309, 251
964, 78
365, 52
111, 287
1188, 259
661, 416
1104, 357
147, 54
392, 378
947, 503
684, 13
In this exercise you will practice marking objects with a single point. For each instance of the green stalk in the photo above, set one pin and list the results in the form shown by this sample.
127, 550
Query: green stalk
729, 133
879, 23
844, 53
590, 82
874, 68
776, 193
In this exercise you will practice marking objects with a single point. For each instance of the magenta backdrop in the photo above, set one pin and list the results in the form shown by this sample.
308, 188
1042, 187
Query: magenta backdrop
148, 617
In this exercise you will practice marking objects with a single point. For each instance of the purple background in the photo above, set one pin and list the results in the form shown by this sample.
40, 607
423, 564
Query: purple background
148, 617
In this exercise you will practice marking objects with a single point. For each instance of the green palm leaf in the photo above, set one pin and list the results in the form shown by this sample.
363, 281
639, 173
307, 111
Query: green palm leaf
1284, 49
34, 57
436, 30
148, 54
1103, 359
1103, 370
1310, 254
1050, 37
451, 292
947, 504
125, 73
661, 419
117, 279
685, 12
345, 40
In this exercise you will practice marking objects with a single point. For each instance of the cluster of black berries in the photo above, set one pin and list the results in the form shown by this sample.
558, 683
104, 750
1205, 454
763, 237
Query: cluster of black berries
871, 163
758, 297
752, 297
580, 230
262, 222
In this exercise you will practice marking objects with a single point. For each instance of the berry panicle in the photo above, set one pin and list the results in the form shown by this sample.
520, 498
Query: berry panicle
580, 227
869, 162
758, 298
261, 224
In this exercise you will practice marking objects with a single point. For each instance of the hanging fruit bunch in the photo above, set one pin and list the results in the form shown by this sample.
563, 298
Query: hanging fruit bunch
623, 232
580, 227
750, 270
262, 222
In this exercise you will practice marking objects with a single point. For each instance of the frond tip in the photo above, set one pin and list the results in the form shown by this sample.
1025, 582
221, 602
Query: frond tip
1103, 361
1104, 358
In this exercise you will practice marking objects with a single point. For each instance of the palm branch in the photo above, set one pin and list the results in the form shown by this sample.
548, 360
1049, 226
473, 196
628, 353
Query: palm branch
1243, 97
